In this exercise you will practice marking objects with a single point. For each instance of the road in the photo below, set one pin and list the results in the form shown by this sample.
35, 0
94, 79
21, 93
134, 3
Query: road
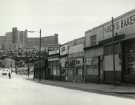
19, 91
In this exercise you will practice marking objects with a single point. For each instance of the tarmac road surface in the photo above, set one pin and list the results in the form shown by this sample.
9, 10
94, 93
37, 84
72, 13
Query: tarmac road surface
18, 91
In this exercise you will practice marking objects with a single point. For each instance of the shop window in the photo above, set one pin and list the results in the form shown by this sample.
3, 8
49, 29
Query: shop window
78, 62
63, 49
93, 40
109, 49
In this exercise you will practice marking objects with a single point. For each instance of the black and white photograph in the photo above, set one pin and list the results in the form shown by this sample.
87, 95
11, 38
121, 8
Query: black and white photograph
67, 52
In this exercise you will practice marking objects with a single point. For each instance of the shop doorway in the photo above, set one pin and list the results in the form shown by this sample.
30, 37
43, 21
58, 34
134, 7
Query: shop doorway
128, 73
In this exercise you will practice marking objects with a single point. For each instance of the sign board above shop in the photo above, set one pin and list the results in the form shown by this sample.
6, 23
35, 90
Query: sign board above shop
124, 24
120, 24
63, 50
53, 52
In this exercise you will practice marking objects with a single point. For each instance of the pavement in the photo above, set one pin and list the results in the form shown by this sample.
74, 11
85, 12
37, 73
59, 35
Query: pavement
124, 90
20, 91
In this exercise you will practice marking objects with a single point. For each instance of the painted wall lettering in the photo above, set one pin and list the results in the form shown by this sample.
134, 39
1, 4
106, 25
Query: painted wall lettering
122, 23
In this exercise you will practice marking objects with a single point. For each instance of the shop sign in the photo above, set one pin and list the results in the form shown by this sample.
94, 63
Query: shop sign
63, 50
53, 59
120, 24
79, 61
92, 71
53, 52
92, 61
76, 49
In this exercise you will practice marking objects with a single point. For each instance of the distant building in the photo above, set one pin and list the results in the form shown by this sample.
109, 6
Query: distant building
23, 39
8, 43
46, 42
2, 41
14, 40
19, 38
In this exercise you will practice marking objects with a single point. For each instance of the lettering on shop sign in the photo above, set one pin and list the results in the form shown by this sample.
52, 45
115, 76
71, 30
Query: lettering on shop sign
121, 24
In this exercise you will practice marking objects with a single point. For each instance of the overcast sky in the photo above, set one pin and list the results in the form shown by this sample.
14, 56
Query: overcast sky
69, 18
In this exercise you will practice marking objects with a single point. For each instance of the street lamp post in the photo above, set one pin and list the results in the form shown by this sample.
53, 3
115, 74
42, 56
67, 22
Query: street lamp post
113, 50
40, 56
27, 60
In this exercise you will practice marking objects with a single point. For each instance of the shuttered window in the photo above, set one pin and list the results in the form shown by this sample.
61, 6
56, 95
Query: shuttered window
93, 40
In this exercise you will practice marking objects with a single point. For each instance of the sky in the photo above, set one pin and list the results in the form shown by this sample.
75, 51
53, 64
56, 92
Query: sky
69, 18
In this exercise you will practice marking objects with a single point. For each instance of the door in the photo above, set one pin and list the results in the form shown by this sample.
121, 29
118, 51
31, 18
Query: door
129, 61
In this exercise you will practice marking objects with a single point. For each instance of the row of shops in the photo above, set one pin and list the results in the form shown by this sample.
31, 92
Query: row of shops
66, 62
110, 47
98, 56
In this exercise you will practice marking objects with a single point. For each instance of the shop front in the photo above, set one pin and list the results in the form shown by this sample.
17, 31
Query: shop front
93, 64
63, 60
79, 69
129, 61
54, 67
54, 64
112, 64
92, 69
113, 59
74, 70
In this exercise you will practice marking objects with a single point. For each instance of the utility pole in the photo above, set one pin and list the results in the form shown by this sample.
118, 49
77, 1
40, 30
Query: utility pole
113, 50
39, 66
27, 60
40, 56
